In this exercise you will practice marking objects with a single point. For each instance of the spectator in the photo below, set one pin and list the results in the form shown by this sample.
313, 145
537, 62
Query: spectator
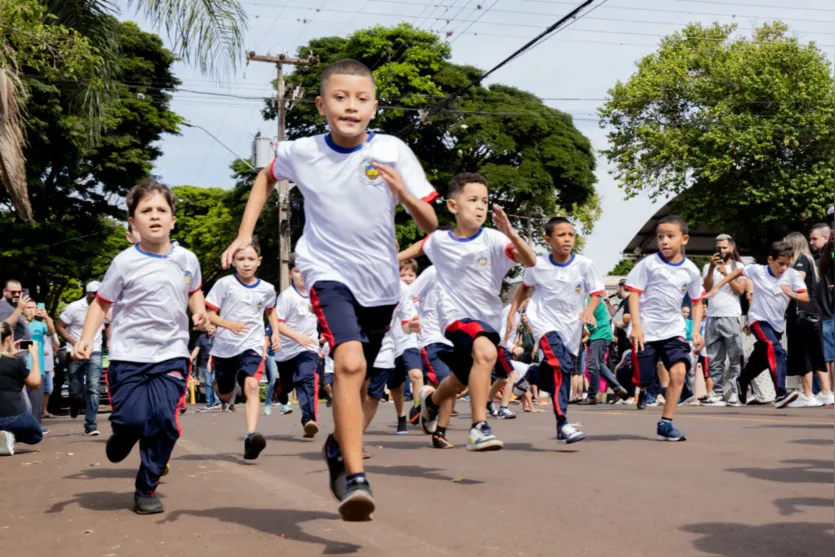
16, 422
818, 237
50, 350
621, 322
70, 324
600, 337
41, 328
723, 329
826, 301
201, 355
11, 309
804, 331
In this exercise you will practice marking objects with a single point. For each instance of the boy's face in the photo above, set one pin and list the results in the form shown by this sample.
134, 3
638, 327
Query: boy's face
470, 205
297, 278
562, 239
246, 262
670, 239
685, 311
349, 103
407, 275
779, 266
153, 219
29, 311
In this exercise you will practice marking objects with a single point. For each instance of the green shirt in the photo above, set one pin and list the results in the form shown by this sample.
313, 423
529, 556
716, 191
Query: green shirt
603, 329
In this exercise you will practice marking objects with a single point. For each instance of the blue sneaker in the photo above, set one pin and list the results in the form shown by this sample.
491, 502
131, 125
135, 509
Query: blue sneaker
336, 468
569, 434
667, 432
642, 400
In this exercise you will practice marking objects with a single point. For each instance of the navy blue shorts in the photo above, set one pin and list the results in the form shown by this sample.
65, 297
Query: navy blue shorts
462, 334
342, 319
328, 380
237, 368
435, 368
410, 359
669, 352
141, 402
503, 367
377, 380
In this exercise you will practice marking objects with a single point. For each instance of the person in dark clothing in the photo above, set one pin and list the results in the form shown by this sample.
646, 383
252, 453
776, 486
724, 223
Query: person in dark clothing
17, 424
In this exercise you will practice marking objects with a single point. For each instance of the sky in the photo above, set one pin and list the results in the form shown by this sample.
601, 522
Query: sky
572, 71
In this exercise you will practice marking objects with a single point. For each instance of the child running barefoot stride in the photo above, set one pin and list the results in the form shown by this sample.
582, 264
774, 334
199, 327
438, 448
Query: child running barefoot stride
352, 180
471, 262
149, 286
236, 307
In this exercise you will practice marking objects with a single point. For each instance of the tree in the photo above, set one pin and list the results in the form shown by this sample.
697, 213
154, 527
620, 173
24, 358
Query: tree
537, 162
741, 129
622, 268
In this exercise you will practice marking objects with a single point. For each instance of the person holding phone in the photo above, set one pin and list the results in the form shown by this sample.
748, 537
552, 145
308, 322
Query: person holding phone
11, 309
41, 329
17, 424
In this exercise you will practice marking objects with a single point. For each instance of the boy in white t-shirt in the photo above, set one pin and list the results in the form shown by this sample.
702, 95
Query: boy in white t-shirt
409, 360
557, 314
657, 286
298, 357
773, 286
471, 262
351, 180
237, 304
148, 286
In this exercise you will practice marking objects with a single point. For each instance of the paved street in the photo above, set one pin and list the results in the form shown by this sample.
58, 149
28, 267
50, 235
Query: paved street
748, 481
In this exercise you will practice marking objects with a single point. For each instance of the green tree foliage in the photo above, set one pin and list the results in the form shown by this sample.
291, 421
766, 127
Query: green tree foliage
740, 128
623, 267
537, 162
77, 190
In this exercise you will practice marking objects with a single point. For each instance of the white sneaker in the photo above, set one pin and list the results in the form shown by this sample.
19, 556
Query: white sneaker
802, 401
733, 400
826, 399
813, 402
286, 409
6, 443
483, 440
660, 400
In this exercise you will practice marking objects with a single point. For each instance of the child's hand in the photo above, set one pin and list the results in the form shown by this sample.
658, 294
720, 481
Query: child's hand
82, 350
238, 328
637, 337
239, 243
275, 340
588, 317
392, 178
518, 351
502, 222
698, 342
787, 290
308, 342
200, 320
413, 325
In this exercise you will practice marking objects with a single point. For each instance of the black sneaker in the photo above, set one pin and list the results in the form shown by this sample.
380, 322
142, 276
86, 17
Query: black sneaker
440, 442
75, 406
183, 410
119, 447
232, 408
742, 391
589, 401
642, 400
623, 394
336, 467
329, 403
253, 445
358, 503
402, 426
147, 505
414, 415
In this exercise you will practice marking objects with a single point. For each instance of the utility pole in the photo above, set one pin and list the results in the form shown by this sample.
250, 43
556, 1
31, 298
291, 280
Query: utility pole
282, 103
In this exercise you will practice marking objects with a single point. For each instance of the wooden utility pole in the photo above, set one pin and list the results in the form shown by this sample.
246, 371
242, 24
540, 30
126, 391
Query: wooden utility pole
281, 106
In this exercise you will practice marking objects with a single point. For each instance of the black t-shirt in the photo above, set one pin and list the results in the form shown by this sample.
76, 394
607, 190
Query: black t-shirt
12, 374
204, 343
825, 294
805, 264
624, 343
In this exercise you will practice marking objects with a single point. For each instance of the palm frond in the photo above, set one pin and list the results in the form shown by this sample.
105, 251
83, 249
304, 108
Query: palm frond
12, 160
208, 33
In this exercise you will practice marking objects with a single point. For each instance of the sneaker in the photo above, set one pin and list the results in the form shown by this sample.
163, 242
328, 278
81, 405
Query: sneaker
92, 433
224, 407
802, 401
642, 400
254, 443
183, 410
521, 387
336, 467
6, 443
826, 400
329, 404
588, 401
268, 409
75, 406
813, 402
414, 414
686, 399
44, 431
623, 394
742, 392
286, 409
786, 399
311, 428
358, 503
482, 439
119, 447
232, 408
666, 431
660, 400
491, 410
629, 401
147, 505
465, 398
505, 414
402, 426
440, 441
454, 414
733, 401
428, 418
713, 401
569, 434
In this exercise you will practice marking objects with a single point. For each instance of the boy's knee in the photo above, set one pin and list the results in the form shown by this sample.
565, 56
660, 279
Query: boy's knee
484, 351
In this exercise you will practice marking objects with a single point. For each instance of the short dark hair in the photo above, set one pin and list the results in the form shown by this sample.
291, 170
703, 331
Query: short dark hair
457, 183
291, 263
346, 66
5, 331
674, 219
147, 187
254, 245
820, 226
409, 264
6, 284
553, 222
781, 249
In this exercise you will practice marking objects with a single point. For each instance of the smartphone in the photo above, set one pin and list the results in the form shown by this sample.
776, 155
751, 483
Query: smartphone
25, 293
717, 250
24, 344
41, 305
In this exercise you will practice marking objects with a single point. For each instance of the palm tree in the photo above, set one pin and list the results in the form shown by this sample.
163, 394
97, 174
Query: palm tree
207, 33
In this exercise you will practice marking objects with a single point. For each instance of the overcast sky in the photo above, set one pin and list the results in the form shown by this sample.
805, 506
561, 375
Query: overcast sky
572, 70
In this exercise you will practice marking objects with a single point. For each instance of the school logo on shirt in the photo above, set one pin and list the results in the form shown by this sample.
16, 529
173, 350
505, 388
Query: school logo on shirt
482, 261
188, 277
578, 287
684, 287
369, 174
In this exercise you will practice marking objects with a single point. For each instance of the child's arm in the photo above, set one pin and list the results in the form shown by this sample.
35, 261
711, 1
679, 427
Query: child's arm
522, 294
697, 315
95, 317
261, 189
235, 327
796, 296
588, 313
275, 340
197, 305
637, 334
421, 211
728, 278
523, 252
412, 252
304, 340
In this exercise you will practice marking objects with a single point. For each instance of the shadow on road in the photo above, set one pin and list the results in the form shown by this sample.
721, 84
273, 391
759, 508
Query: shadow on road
799, 539
529, 448
102, 473
621, 437
804, 471
423, 472
98, 501
795, 426
284, 523
815, 442
789, 506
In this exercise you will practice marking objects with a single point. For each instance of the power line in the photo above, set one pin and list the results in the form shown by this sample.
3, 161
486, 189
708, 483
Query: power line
758, 5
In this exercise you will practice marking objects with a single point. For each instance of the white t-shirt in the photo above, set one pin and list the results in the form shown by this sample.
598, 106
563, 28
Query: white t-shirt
358, 252
407, 310
48, 354
240, 303
386, 355
560, 297
427, 291
770, 302
325, 353
470, 273
73, 317
725, 303
662, 286
150, 293
294, 310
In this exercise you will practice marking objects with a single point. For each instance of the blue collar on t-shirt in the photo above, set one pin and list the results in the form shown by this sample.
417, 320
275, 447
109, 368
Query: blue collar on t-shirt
566, 264
679, 264
468, 239
157, 255
347, 150
253, 285
297, 291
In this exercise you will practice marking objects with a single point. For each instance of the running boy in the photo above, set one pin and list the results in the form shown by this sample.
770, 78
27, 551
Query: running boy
657, 286
409, 359
298, 358
351, 179
471, 263
774, 285
557, 314
236, 307
149, 286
